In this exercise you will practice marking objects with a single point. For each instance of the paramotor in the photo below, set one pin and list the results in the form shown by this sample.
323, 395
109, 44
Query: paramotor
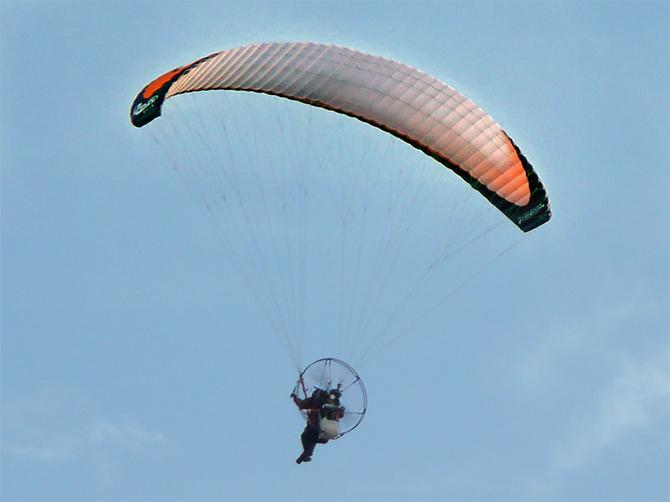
330, 374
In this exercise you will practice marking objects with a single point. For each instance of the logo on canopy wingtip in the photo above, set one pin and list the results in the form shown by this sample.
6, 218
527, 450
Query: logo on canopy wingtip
529, 214
142, 106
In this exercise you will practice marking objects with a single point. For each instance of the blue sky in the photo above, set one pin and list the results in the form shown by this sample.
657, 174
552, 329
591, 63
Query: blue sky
136, 365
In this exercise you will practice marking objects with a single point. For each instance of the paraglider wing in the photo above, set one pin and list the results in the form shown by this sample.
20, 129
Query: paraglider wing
399, 99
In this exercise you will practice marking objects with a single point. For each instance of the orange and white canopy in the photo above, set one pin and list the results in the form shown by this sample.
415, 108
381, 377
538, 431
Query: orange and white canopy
399, 99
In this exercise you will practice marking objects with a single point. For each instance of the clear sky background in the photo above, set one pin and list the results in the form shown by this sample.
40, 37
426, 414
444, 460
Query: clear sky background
136, 367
